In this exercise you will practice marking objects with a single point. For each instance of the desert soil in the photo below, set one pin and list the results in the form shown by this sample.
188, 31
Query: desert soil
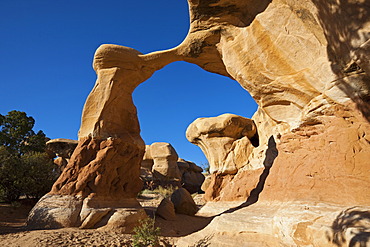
14, 233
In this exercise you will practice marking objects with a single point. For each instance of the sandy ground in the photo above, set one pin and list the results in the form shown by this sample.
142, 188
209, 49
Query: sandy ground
13, 232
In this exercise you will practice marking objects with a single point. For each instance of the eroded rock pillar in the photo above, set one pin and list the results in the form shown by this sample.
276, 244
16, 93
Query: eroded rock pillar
100, 183
227, 141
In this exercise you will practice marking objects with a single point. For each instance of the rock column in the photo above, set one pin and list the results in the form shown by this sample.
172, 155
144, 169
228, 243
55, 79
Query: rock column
100, 183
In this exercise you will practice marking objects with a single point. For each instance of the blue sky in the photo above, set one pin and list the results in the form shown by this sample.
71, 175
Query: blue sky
46, 52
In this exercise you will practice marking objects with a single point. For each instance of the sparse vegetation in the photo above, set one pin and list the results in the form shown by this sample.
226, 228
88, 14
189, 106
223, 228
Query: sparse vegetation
164, 191
146, 234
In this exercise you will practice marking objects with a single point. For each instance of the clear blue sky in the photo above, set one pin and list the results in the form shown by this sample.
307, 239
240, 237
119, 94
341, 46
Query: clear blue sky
46, 52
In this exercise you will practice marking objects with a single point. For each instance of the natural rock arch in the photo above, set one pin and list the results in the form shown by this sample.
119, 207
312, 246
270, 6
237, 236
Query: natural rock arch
301, 98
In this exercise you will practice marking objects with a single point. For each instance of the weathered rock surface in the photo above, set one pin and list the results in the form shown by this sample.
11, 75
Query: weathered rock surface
192, 177
306, 65
103, 172
164, 161
297, 223
220, 138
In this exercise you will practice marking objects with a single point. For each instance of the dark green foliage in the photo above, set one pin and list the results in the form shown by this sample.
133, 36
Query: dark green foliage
146, 234
25, 168
17, 136
38, 174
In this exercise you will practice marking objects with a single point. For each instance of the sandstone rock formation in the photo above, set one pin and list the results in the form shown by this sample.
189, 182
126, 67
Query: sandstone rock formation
306, 65
100, 183
63, 149
164, 161
161, 166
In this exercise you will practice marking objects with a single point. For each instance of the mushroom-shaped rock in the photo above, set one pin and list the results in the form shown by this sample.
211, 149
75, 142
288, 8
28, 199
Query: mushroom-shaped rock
62, 147
165, 161
219, 137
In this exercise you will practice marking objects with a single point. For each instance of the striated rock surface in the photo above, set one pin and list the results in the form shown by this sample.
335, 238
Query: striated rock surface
306, 65
297, 223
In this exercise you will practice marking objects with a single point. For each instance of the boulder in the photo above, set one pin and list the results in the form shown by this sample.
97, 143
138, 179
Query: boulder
166, 209
183, 202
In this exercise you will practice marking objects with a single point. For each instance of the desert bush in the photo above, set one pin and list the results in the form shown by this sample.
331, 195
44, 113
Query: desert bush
146, 234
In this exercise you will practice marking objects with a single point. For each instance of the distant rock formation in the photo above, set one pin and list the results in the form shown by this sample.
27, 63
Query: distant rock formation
63, 149
162, 166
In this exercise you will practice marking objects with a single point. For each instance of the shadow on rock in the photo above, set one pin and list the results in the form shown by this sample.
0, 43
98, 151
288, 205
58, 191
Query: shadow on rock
352, 226
271, 154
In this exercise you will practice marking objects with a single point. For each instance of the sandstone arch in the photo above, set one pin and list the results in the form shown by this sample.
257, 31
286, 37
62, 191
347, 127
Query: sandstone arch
278, 51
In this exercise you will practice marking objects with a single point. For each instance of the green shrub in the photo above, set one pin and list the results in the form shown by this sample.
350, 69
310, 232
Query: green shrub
165, 191
146, 233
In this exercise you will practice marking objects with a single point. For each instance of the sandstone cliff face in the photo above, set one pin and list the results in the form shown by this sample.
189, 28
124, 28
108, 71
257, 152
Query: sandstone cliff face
306, 65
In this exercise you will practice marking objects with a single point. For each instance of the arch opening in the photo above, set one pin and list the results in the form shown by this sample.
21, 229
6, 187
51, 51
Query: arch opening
169, 101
